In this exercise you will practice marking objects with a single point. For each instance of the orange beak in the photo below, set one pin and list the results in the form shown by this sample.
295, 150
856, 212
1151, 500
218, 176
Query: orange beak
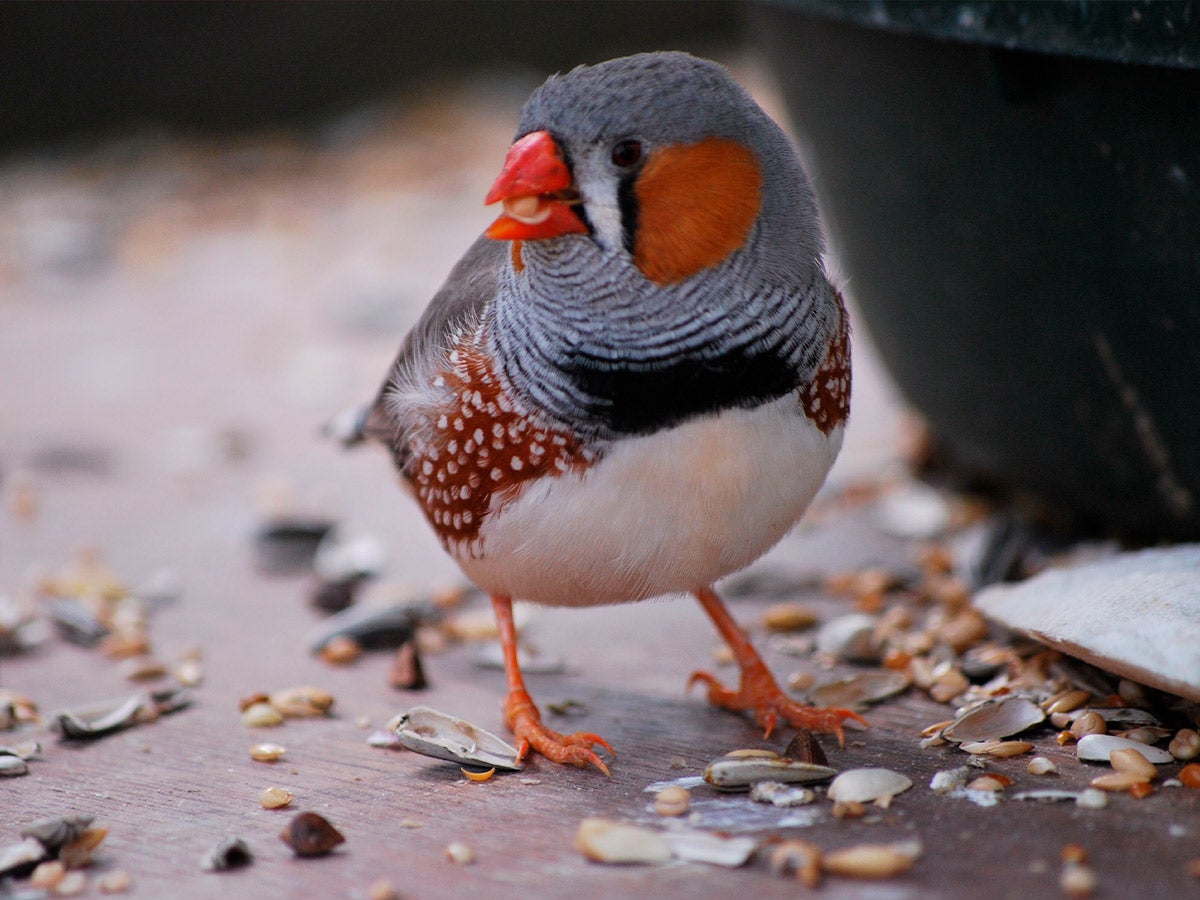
535, 188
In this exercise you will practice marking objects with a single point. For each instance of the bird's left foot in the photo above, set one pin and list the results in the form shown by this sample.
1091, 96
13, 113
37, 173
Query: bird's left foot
762, 696
525, 722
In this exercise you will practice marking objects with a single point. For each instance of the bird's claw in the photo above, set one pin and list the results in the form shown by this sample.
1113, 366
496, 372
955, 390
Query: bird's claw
759, 694
575, 749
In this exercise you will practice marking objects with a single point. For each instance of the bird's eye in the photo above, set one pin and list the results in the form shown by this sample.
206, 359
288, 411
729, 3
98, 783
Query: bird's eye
626, 154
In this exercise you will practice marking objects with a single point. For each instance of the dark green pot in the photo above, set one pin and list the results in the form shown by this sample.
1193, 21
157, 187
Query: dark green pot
1014, 192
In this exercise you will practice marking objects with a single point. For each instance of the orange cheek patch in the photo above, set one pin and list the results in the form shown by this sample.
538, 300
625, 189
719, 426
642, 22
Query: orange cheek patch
696, 205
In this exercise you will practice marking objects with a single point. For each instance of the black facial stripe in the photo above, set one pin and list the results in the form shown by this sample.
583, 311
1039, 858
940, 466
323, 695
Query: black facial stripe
625, 401
628, 204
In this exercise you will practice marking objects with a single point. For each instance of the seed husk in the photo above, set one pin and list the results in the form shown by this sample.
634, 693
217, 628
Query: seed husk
20, 858
1134, 762
12, 766
858, 691
275, 797
1077, 880
118, 881
230, 853
142, 668
998, 749
47, 875
1039, 765
341, 651
1099, 747
77, 853
1091, 798
54, 832
867, 785
779, 794
606, 841
872, 861
261, 715
994, 719
431, 732
460, 854
266, 752
799, 858
383, 890
311, 834
672, 801
71, 885
373, 627
714, 849
989, 783
947, 780
1066, 701
1185, 745
304, 701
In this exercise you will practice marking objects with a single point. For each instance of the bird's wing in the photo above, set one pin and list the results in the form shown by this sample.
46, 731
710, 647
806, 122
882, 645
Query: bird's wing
472, 283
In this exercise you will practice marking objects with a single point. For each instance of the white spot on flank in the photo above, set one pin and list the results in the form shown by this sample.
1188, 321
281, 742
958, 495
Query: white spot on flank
478, 436
442, 422
426, 468
496, 474
497, 430
458, 424
516, 464
536, 449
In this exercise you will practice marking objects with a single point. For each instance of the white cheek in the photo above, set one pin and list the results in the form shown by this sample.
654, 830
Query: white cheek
600, 201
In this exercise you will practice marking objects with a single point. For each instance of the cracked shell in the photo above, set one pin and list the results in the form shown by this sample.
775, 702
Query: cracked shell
994, 719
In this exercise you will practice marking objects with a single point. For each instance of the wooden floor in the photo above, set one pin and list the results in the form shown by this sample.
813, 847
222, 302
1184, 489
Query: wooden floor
165, 372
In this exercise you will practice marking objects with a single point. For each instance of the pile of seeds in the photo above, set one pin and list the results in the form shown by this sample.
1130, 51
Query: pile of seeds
54, 854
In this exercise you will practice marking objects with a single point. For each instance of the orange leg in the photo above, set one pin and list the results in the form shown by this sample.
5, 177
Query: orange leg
758, 691
522, 716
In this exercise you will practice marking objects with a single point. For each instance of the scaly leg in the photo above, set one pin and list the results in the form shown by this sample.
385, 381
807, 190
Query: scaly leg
522, 716
758, 691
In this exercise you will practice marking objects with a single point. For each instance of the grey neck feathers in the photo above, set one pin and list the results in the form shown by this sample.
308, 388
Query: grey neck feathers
583, 336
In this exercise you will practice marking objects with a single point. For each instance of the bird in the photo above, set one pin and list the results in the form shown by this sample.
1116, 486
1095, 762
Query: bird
635, 381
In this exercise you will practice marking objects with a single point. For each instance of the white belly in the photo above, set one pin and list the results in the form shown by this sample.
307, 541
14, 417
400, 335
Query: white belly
669, 512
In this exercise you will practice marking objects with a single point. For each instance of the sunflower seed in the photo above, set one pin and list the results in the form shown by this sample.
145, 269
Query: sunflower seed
274, 797
872, 861
737, 771
302, 702
433, 733
672, 801
12, 766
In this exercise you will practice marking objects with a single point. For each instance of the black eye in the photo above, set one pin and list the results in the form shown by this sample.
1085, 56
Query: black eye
626, 154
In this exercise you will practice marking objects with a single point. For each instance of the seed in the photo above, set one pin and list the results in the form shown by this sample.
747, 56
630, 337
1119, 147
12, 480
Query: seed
1185, 745
275, 797
261, 715
125, 645
1066, 701
799, 858
266, 752
382, 890
460, 854
1099, 748
251, 699
479, 776
1073, 853
311, 834
999, 749
603, 840
304, 701
407, 673
990, 783
672, 801
1091, 722
872, 860
47, 875
1077, 880
848, 809
1091, 799
71, 885
801, 681
805, 748
1039, 765
230, 853
865, 785
788, 617
1141, 791
77, 853
1190, 775
189, 673
142, 668
948, 685
12, 766
118, 881
341, 650
1116, 781
1132, 762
